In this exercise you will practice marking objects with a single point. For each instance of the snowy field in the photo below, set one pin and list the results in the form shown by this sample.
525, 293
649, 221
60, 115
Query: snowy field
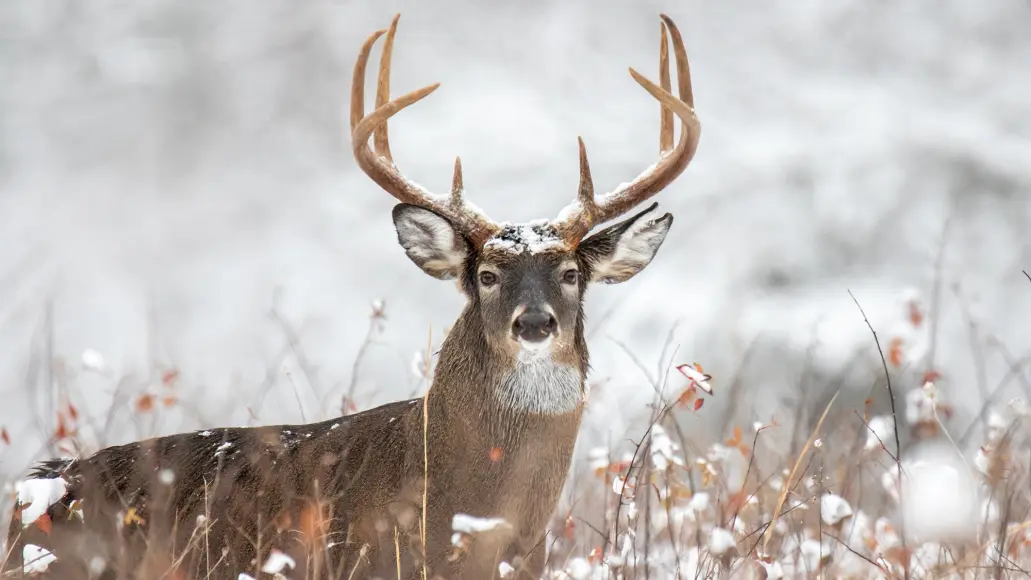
186, 242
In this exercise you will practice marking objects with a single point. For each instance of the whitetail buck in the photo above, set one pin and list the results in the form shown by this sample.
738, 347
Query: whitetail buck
375, 494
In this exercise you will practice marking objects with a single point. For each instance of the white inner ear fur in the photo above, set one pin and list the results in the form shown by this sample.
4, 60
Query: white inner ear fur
431, 242
634, 250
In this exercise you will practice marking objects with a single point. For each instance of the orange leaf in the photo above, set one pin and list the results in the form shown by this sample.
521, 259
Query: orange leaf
915, 316
168, 401
688, 395
72, 411
736, 439
145, 403
495, 454
745, 450
931, 375
132, 517
569, 530
44, 524
314, 523
895, 353
698, 403
5, 436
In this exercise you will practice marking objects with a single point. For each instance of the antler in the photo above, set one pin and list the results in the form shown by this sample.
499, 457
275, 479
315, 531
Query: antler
379, 164
588, 211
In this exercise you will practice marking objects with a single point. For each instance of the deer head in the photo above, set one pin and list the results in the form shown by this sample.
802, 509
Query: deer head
526, 282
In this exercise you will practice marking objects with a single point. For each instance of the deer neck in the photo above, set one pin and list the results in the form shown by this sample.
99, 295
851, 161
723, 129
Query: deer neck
478, 383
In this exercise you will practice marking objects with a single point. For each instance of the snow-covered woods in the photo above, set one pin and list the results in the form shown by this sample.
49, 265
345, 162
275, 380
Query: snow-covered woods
185, 243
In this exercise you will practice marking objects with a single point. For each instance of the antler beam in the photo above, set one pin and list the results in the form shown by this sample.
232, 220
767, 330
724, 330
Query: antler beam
378, 164
577, 219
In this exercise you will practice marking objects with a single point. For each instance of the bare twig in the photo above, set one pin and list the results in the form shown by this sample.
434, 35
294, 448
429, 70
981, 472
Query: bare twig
894, 416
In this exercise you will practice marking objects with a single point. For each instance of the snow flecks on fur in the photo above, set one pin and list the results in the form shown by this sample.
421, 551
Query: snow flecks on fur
464, 526
534, 237
467, 524
37, 495
505, 570
223, 447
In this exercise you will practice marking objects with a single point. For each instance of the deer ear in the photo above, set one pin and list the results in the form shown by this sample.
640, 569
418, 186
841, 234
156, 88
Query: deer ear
430, 241
618, 252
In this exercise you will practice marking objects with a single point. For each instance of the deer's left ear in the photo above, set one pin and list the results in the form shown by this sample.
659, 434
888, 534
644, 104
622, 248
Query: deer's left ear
618, 252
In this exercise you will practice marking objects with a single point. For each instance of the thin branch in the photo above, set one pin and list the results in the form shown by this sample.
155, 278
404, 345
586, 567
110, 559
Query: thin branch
894, 415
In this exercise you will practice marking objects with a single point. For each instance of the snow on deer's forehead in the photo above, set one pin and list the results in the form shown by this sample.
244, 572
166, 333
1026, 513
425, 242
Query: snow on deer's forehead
534, 237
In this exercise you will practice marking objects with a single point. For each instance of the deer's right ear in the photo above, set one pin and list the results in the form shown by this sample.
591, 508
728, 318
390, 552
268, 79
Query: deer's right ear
430, 241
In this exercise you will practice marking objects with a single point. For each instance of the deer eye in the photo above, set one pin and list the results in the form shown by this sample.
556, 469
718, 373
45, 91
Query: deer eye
570, 276
488, 278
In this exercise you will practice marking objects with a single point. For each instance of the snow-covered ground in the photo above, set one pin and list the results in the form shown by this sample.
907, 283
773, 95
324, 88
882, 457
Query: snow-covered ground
169, 171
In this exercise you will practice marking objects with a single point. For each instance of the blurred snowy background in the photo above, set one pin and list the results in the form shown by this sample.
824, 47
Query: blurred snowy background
169, 170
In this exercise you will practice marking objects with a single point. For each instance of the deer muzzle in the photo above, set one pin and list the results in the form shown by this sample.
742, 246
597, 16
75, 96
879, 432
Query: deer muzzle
534, 326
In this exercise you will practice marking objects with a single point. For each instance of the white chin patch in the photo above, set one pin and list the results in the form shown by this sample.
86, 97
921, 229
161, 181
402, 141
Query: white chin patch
533, 349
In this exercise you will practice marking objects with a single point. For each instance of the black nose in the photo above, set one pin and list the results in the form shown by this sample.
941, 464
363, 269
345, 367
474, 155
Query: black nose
534, 325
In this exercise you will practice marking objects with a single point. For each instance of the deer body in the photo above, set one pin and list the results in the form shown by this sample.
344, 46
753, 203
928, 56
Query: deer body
381, 494
362, 472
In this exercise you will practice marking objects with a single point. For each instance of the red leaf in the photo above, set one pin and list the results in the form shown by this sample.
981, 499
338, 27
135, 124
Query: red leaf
73, 412
5, 436
62, 428
169, 376
44, 524
698, 403
931, 375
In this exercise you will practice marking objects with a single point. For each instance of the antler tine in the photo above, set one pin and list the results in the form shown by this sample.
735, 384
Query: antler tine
457, 187
380, 138
578, 219
378, 164
585, 193
666, 115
